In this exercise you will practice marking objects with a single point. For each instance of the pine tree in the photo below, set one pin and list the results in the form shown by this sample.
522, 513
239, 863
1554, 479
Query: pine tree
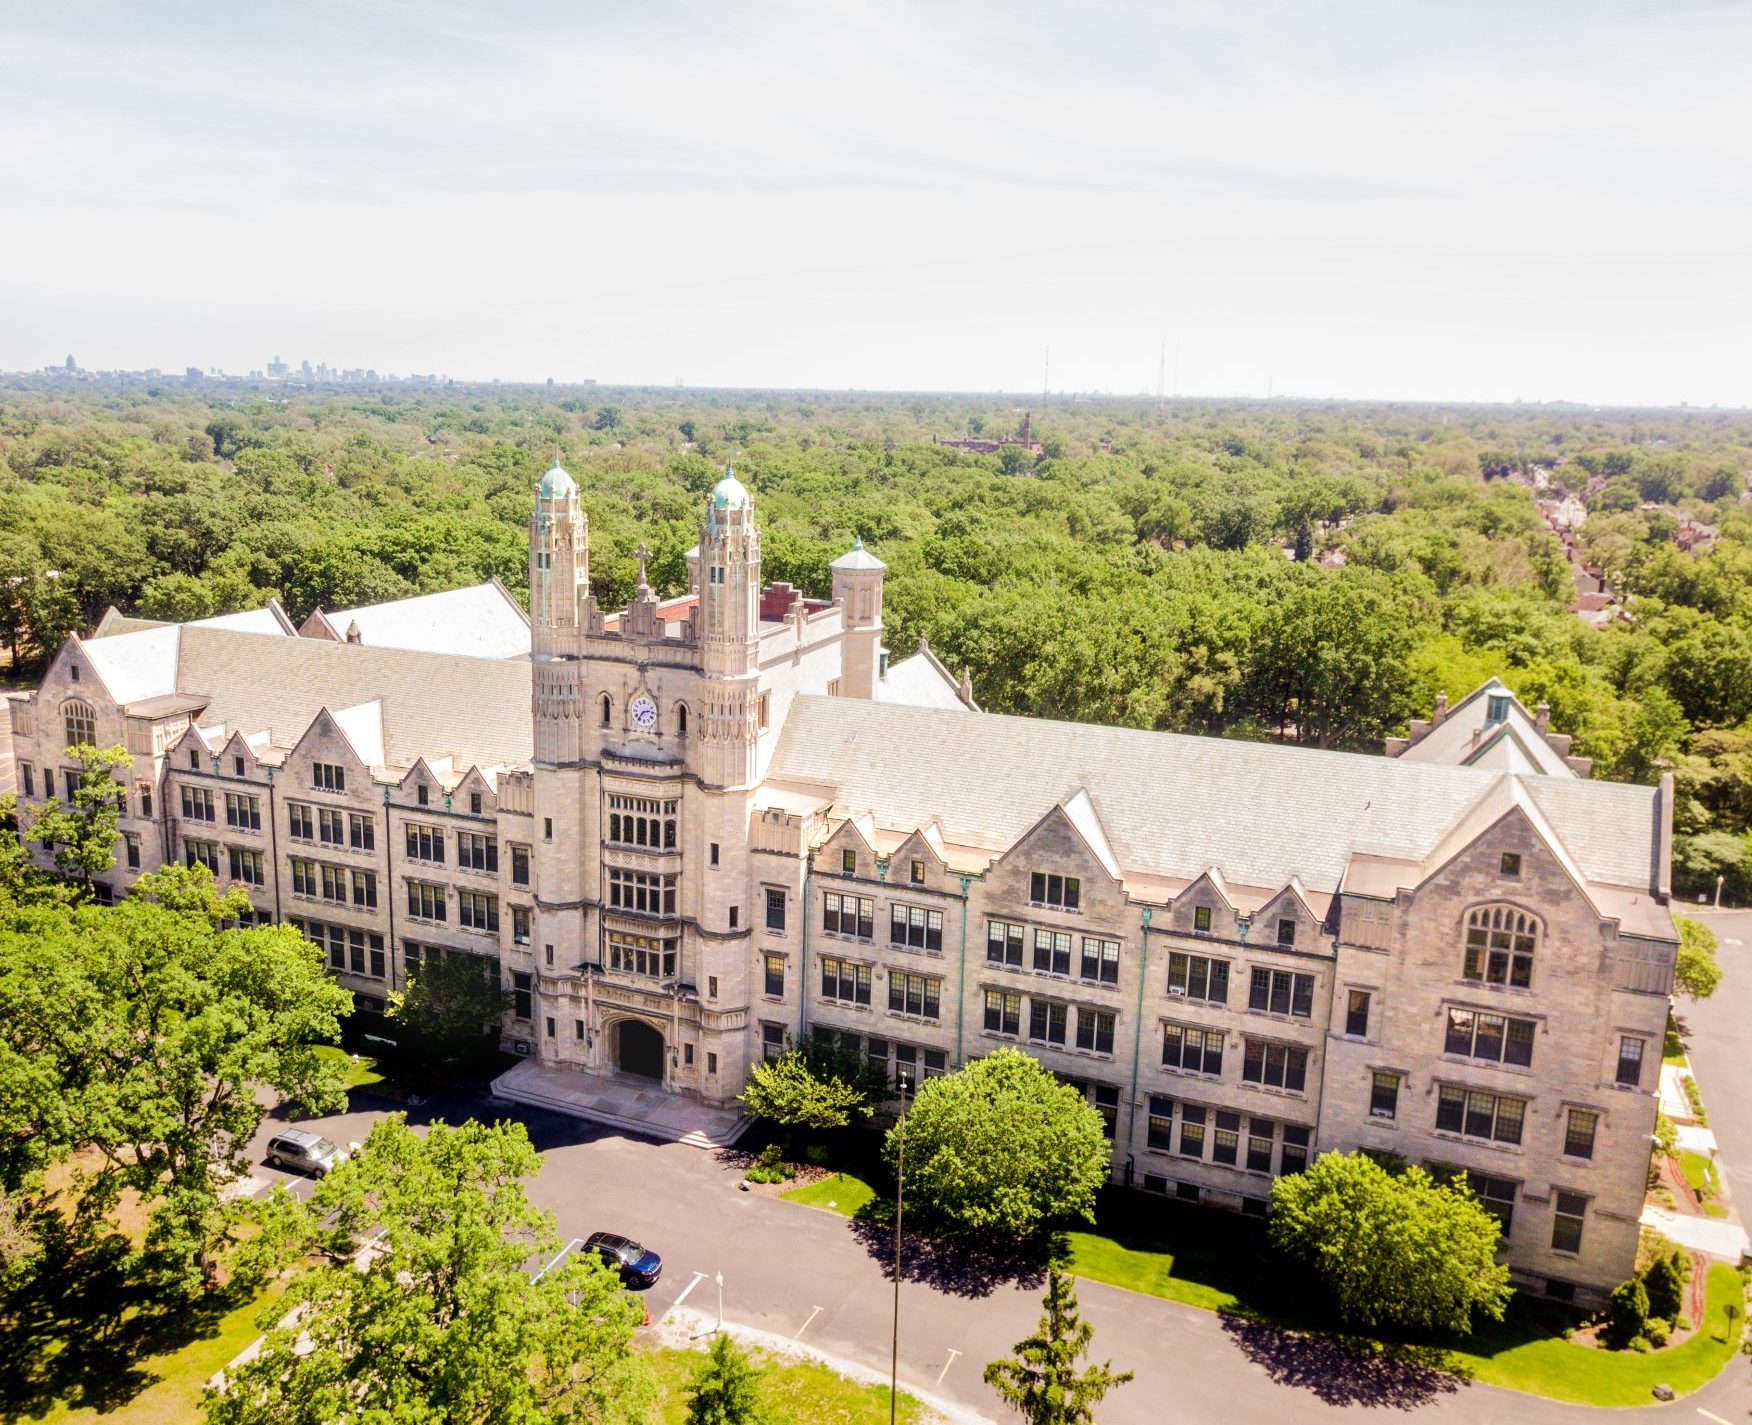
1043, 1380
726, 1389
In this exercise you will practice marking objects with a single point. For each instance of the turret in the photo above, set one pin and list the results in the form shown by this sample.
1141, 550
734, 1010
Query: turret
857, 585
559, 567
728, 629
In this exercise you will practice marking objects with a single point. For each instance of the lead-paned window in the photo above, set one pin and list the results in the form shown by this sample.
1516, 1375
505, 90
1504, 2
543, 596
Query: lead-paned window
1578, 1133
1095, 1030
477, 910
1197, 977
425, 843
1187, 1047
1161, 1125
1500, 944
522, 996
1494, 1038
328, 777
646, 822
1281, 992
426, 901
361, 831
1052, 952
1497, 1196
1046, 1021
915, 994
915, 927
520, 865
1004, 943
1192, 1130
520, 925
1260, 1133
1383, 1095
334, 883
300, 824
202, 853
1100, 960
365, 889
1630, 1062
773, 974
1226, 1140
643, 892
1105, 1098
475, 852
1566, 1223
1356, 1015
197, 803
1294, 1158
645, 955
245, 865
243, 811
845, 980
848, 915
1479, 1115
304, 878
331, 827
1059, 892
1003, 1012
80, 721
1282, 1066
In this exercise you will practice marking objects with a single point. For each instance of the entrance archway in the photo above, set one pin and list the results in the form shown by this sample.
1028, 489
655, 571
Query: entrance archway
639, 1049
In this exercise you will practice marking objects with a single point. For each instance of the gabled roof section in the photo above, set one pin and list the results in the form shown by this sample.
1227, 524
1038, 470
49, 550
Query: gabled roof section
325, 722
1457, 735
1174, 805
1211, 876
481, 621
270, 619
135, 666
363, 726
1505, 798
1081, 813
921, 681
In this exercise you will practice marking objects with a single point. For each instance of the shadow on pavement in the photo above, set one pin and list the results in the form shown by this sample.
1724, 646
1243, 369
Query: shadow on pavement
1399, 1377
957, 1267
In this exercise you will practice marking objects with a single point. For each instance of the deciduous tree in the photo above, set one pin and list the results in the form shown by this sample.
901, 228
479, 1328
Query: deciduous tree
82, 833
1698, 972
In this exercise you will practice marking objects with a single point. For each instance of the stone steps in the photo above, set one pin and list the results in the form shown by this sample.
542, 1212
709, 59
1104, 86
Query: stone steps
673, 1120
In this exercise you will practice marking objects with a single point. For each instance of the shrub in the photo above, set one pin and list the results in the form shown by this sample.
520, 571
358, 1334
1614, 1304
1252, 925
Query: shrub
1656, 1331
1627, 1312
770, 1155
1639, 1344
817, 1154
1665, 1289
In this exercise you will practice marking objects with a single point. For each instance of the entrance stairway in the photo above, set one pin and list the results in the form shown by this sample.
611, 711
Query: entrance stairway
636, 1105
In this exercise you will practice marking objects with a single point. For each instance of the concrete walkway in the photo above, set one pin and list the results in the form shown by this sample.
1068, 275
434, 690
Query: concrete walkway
1715, 1237
637, 1105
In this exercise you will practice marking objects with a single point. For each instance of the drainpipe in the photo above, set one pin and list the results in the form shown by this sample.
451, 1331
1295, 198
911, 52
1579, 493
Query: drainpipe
1131, 1123
961, 975
389, 885
803, 954
274, 843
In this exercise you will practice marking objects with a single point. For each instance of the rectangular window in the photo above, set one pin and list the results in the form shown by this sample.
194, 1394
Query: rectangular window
520, 928
1201, 919
476, 910
304, 877
1226, 1142
245, 865
145, 802
27, 774
422, 795
775, 910
772, 1042
1046, 1021
331, 827
643, 955
1003, 1012
848, 915
1059, 892
1356, 1015
1279, 1066
1052, 952
849, 861
202, 853
1578, 1133
475, 852
1260, 1132
1511, 864
243, 812
1195, 977
1161, 1128
1497, 1196
327, 777
578, 1030
1566, 1225
876, 1056
520, 865
361, 831
1286, 932
1199, 1051
1192, 1130
1100, 961
1105, 1098
1630, 1061
197, 803
1280, 992
917, 873
475, 804
843, 980
1479, 1115
1383, 1095
1004, 943
425, 843
425, 901
132, 842
643, 892
914, 994
774, 966
522, 997
1095, 1030
334, 884
1499, 947
915, 927
365, 889
1297, 1139
1491, 1037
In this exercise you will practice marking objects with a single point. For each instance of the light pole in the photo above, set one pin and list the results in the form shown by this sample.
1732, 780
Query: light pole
720, 1303
899, 1213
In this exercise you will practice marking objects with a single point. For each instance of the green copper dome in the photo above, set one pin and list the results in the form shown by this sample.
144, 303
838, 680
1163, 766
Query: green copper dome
556, 484
730, 493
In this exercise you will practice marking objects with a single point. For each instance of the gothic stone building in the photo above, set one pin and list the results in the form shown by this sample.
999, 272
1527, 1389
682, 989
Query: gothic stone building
693, 830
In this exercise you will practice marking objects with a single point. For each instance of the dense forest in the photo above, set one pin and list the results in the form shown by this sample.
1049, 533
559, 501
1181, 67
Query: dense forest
1259, 570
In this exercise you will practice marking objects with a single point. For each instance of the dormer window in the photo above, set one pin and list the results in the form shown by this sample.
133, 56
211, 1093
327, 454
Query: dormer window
237, 766
194, 760
474, 803
918, 873
1286, 932
1496, 709
421, 794
1511, 864
849, 861
1201, 919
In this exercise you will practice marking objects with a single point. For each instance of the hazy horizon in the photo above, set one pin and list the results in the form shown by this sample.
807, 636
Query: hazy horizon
1363, 202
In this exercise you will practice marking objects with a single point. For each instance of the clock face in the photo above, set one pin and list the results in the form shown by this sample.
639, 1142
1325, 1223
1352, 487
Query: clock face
644, 712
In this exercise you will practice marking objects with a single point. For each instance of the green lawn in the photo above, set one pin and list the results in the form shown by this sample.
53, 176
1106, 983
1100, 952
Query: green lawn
1516, 1354
1673, 1048
358, 1070
837, 1192
795, 1392
177, 1376
1700, 1173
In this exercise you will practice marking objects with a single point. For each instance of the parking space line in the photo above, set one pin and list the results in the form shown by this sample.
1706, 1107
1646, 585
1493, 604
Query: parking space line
805, 1326
698, 1277
1707, 1416
953, 1353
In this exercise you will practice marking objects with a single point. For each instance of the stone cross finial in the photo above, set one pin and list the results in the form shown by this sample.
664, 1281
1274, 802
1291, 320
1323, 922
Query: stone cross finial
642, 555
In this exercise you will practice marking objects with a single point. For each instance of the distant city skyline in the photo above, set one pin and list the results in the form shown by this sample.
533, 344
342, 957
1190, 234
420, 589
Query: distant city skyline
1419, 202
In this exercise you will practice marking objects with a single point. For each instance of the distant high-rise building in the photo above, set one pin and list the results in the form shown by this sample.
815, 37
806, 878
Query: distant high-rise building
278, 370
72, 365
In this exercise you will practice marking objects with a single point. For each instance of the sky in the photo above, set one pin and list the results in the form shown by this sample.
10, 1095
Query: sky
1384, 199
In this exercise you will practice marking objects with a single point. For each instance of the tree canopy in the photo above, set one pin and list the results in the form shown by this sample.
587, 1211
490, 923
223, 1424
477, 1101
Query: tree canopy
1044, 1381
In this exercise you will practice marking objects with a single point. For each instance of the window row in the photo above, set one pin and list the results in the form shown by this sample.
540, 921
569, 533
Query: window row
1050, 1022
358, 952
1098, 962
648, 956
1227, 1137
642, 892
646, 823
329, 826
338, 885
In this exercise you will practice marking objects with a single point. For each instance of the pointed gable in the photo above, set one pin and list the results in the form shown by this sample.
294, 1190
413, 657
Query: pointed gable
853, 838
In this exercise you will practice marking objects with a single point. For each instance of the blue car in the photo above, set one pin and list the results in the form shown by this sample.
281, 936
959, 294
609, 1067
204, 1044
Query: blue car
637, 1266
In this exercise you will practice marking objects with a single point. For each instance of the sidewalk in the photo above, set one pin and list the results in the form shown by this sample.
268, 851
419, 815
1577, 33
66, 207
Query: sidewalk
637, 1105
1725, 1241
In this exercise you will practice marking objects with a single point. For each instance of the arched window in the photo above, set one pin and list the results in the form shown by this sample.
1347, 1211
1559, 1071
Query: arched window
1500, 944
681, 719
607, 710
81, 721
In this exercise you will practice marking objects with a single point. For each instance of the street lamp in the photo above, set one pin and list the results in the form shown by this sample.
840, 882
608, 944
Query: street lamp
899, 1213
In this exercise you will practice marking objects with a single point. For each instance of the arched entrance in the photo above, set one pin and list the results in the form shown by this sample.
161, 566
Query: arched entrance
639, 1049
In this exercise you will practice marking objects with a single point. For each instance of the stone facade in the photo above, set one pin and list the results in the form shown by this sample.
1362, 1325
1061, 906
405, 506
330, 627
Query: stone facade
692, 831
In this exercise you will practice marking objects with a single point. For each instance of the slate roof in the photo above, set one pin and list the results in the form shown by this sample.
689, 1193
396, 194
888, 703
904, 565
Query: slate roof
1465, 731
481, 621
1172, 806
920, 681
